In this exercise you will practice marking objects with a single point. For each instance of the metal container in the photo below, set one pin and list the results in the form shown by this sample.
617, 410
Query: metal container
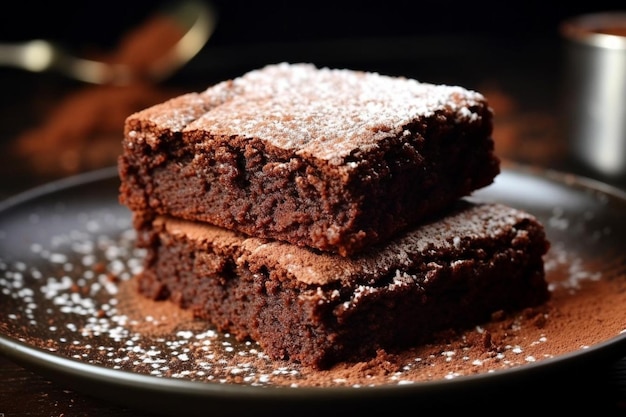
595, 92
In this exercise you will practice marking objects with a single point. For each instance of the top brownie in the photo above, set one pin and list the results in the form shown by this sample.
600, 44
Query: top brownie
330, 159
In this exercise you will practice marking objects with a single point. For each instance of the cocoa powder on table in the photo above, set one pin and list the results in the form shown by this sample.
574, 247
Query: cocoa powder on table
82, 129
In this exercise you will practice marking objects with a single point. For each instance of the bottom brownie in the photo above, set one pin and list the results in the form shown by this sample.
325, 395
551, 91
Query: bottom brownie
319, 309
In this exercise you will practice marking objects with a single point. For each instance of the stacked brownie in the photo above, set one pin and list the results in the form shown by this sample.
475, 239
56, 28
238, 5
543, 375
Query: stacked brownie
326, 213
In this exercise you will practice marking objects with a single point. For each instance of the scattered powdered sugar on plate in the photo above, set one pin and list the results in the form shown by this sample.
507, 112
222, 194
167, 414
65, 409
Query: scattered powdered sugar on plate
73, 295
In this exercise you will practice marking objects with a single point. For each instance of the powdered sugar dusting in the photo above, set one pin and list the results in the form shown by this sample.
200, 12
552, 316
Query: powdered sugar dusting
328, 113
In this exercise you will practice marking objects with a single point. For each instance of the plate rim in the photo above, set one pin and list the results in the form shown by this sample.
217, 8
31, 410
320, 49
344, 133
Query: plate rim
80, 375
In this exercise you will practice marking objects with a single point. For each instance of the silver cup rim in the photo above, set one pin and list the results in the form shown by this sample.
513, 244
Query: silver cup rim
587, 29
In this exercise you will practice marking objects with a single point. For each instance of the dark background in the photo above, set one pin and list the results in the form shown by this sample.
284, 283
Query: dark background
508, 50
240, 21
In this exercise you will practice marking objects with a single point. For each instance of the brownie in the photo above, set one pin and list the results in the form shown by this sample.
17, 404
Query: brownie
301, 305
331, 159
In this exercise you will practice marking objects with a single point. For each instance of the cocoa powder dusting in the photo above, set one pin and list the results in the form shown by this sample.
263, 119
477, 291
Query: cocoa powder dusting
577, 316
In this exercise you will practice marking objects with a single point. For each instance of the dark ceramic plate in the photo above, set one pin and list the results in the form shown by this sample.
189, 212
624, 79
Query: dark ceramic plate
58, 303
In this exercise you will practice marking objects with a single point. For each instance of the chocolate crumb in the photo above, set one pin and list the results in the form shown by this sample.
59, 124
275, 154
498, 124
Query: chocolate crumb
497, 315
99, 267
486, 341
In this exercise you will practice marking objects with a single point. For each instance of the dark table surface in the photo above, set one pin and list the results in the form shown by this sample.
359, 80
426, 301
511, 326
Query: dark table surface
522, 79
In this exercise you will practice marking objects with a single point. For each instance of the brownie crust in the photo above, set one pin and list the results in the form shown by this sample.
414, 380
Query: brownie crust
335, 160
319, 308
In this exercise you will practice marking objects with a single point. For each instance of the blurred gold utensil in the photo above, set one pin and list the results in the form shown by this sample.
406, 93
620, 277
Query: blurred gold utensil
197, 20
